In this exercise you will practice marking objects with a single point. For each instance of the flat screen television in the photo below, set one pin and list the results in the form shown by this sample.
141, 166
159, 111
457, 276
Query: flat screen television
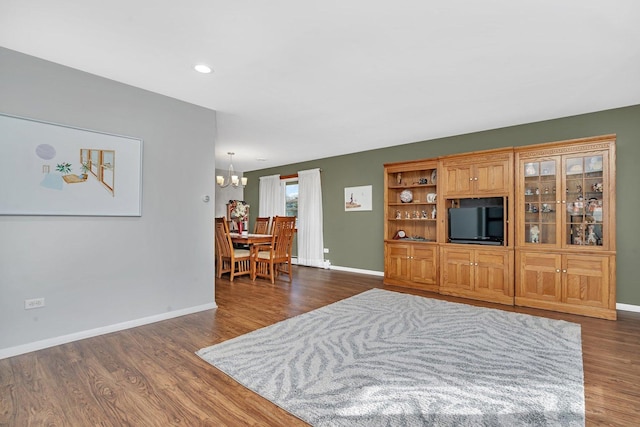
480, 225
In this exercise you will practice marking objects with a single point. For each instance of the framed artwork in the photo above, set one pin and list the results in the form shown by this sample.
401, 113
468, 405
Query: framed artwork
357, 198
52, 169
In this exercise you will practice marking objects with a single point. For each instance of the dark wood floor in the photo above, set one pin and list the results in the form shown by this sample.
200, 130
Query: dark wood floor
150, 376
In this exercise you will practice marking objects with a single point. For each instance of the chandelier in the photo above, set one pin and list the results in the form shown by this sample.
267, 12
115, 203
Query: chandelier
232, 178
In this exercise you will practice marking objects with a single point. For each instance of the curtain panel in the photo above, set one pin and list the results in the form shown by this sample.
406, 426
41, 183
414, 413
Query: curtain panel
271, 196
310, 231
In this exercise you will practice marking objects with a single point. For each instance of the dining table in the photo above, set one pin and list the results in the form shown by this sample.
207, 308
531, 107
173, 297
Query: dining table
250, 239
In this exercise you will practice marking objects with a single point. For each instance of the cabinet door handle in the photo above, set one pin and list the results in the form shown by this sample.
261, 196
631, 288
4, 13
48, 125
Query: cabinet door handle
564, 271
557, 201
476, 264
475, 179
558, 270
564, 201
471, 179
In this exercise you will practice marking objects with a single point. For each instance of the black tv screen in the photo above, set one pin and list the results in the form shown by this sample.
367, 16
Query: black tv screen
481, 224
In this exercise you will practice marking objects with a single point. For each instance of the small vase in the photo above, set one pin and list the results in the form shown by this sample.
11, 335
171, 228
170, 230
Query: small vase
239, 227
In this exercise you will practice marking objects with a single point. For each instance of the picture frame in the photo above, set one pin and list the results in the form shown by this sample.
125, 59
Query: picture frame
53, 169
358, 198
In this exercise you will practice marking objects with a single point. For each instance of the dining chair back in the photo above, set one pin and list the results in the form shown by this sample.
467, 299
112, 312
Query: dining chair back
236, 262
269, 260
262, 225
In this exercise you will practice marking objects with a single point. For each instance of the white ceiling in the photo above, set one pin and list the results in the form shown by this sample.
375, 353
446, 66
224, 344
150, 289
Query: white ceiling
298, 80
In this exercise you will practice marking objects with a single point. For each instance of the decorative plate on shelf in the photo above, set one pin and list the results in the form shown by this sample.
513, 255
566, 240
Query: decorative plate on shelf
406, 196
434, 176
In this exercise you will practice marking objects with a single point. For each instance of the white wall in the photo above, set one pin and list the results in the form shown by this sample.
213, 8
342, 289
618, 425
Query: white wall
100, 273
223, 195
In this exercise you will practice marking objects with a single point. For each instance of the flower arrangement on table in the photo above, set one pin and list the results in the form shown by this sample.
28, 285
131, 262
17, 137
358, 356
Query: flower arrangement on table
240, 210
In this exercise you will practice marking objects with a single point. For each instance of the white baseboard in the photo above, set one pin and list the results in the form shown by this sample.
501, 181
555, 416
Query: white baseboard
628, 307
64, 339
356, 270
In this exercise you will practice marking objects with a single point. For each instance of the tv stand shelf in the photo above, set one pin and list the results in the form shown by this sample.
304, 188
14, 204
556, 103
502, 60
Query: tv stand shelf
477, 242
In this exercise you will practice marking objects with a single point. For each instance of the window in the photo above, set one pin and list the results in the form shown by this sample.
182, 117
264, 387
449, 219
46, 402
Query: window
291, 197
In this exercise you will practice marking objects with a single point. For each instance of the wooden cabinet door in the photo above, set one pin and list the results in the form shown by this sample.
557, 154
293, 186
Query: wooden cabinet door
493, 272
586, 280
492, 178
397, 261
424, 265
458, 180
457, 269
539, 276
479, 178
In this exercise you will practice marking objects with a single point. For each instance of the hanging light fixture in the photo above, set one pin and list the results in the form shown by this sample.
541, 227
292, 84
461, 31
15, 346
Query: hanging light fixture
232, 178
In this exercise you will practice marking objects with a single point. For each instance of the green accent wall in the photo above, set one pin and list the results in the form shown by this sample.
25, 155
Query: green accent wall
355, 239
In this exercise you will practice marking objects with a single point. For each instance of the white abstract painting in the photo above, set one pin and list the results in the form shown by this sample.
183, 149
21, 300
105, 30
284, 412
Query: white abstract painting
51, 169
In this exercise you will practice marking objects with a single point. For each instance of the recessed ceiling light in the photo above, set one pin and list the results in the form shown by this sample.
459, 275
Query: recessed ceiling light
202, 68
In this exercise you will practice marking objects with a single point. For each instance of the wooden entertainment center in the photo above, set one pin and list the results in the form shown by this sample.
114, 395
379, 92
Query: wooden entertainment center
551, 243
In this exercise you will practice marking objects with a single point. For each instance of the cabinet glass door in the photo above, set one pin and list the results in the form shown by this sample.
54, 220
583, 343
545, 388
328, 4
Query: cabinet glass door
584, 187
540, 201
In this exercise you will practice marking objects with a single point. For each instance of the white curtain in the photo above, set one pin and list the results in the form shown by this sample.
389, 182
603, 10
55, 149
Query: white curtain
310, 240
271, 196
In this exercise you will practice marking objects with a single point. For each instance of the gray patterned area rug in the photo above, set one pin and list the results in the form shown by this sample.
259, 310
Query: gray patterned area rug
384, 358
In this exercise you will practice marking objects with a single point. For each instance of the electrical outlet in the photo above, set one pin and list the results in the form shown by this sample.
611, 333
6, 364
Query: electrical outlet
326, 250
33, 303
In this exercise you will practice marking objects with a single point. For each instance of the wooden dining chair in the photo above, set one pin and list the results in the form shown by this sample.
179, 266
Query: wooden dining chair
236, 262
261, 225
271, 259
